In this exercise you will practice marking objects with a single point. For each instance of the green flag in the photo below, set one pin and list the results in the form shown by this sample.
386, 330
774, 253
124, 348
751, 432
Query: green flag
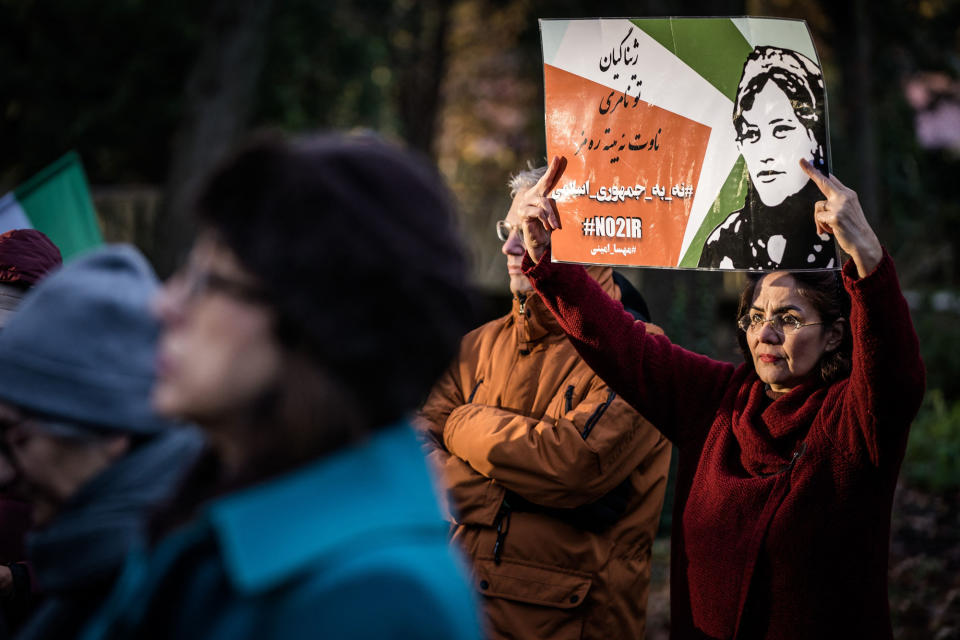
57, 202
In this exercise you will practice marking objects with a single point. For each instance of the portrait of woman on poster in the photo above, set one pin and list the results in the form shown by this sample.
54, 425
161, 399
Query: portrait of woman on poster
779, 117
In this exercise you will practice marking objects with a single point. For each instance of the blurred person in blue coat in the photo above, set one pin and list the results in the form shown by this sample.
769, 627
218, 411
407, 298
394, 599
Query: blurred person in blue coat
322, 298
81, 441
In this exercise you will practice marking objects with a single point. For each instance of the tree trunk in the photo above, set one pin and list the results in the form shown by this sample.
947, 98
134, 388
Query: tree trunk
864, 113
853, 46
218, 97
420, 64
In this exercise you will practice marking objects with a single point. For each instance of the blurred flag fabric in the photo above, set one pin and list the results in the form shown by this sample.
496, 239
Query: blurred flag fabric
57, 202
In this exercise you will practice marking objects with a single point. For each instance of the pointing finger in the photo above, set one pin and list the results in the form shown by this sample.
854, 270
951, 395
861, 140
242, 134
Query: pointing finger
822, 182
554, 213
549, 180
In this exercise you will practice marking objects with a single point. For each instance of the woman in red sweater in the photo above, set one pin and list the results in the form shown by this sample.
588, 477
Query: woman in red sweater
788, 462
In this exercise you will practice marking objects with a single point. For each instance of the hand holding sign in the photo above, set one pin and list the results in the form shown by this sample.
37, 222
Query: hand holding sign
538, 212
842, 216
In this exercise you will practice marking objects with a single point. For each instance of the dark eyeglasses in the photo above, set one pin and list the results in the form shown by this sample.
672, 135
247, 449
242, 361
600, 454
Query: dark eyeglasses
781, 323
504, 229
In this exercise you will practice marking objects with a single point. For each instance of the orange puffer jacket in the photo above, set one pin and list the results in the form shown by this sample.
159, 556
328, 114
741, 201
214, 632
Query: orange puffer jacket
554, 484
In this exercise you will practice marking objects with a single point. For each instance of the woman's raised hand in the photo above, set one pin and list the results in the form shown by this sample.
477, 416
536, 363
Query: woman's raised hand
538, 212
841, 215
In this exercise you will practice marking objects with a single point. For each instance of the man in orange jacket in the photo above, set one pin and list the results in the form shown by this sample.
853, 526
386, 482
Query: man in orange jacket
554, 483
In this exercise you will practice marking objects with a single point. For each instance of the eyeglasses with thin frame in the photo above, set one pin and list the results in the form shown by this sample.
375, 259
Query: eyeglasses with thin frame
504, 229
782, 323
196, 281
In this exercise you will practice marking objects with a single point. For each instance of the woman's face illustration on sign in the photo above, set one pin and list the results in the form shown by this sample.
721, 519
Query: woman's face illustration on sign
779, 117
772, 142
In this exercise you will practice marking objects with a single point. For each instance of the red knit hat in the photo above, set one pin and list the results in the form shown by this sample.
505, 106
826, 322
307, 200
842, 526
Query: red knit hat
26, 255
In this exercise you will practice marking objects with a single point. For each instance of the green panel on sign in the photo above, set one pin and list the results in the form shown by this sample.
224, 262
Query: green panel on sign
57, 202
713, 47
731, 198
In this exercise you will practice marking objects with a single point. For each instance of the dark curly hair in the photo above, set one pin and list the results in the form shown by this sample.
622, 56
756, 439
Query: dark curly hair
798, 77
824, 291
354, 240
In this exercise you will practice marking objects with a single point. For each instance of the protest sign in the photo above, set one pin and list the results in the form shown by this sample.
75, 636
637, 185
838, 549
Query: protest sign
683, 138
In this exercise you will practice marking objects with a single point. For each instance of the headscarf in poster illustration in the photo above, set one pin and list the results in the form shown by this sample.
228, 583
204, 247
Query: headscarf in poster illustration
683, 139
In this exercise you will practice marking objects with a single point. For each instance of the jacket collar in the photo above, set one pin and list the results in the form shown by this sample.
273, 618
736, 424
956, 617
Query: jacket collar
533, 321
379, 487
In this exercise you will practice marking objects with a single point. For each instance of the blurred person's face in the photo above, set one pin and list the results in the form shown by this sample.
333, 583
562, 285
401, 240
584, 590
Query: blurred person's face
772, 143
47, 469
217, 352
513, 249
784, 358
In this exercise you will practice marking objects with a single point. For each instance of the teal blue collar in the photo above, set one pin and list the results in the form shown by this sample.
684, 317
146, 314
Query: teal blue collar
379, 487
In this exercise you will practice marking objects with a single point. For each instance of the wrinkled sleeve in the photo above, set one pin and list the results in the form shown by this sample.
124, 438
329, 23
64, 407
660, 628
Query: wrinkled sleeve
466, 496
565, 463
677, 390
887, 379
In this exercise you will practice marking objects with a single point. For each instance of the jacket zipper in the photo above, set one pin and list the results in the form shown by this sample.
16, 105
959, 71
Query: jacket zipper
474, 392
503, 526
523, 319
587, 428
569, 398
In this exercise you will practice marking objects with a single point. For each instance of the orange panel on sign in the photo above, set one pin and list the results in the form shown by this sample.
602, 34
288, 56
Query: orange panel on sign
632, 167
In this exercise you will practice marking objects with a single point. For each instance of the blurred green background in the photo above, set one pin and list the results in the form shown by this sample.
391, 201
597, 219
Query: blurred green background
152, 93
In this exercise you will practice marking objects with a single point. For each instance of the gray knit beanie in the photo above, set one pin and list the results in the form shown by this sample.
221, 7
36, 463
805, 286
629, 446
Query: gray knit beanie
82, 346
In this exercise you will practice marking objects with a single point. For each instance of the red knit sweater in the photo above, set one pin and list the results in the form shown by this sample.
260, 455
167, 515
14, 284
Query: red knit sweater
782, 509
